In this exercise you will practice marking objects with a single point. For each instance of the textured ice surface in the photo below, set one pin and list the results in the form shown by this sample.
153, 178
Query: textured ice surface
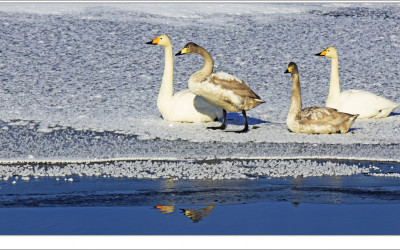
78, 83
238, 169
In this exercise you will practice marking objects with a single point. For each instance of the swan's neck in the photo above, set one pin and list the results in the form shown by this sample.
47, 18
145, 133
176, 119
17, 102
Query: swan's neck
334, 87
167, 88
295, 106
207, 68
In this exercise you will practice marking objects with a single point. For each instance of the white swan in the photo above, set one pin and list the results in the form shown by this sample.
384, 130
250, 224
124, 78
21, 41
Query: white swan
224, 90
313, 120
183, 106
366, 104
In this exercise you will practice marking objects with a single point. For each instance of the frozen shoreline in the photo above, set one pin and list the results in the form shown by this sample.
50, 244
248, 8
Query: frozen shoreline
68, 145
80, 84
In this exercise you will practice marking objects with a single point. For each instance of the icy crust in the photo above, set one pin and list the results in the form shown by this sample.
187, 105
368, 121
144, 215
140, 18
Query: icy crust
89, 69
392, 175
362, 131
22, 143
220, 170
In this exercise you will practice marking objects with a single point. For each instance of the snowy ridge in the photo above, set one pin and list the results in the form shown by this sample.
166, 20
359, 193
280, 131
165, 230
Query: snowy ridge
392, 175
218, 170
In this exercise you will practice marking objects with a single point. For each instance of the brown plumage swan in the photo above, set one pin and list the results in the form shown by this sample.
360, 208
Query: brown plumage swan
313, 120
224, 90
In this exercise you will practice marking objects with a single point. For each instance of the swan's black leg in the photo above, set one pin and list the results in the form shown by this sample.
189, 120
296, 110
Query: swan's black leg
223, 126
246, 125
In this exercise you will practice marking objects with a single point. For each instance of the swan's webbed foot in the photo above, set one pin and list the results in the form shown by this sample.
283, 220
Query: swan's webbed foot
222, 127
244, 130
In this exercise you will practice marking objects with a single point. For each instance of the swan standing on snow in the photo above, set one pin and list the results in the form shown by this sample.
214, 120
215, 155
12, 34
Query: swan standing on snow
366, 104
184, 106
224, 90
313, 120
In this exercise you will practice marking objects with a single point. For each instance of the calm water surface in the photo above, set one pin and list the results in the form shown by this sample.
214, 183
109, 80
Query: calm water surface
352, 205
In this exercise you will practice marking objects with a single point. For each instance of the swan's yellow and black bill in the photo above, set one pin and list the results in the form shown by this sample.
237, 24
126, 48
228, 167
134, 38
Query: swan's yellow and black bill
182, 52
322, 53
292, 67
154, 42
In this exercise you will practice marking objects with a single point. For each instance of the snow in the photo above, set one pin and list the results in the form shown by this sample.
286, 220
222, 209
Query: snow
79, 84
392, 175
192, 170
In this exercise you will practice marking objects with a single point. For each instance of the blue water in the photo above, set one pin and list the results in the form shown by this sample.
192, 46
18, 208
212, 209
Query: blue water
262, 218
350, 205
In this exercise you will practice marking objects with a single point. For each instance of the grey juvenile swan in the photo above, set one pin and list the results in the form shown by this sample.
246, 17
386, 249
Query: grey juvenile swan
314, 120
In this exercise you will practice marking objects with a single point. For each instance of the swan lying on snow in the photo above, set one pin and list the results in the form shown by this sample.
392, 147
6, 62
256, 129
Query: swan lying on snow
224, 90
366, 104
183, 106
313, 120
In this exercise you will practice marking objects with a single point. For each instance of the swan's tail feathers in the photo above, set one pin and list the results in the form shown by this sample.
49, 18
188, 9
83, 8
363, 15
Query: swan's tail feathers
251, 103
396, 106
354, 117
392, 105
260, 101
345, 126
386, 112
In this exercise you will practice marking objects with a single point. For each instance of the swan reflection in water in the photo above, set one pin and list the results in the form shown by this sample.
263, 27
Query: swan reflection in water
195, 215
330, 192
165, 209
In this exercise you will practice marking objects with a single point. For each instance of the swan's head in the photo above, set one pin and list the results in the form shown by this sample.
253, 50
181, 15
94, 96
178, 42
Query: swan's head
162, 40
189, 48
328, 52
292, 68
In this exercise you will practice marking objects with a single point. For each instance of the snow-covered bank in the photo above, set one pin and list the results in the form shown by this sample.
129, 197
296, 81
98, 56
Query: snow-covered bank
78, 81
24, 144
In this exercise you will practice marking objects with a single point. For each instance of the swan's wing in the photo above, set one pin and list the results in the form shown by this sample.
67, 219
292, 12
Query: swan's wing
365, 103
230, 82
365, 98
322, 116
228, 92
